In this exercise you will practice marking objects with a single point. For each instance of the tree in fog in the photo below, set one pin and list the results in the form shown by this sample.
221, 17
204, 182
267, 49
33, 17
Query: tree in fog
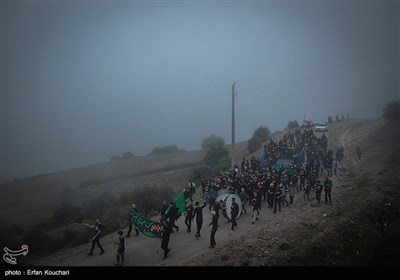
392, 111
215, 149
127, 155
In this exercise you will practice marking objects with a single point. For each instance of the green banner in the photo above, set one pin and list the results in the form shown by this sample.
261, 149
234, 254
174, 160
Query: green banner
180, 203
147, 227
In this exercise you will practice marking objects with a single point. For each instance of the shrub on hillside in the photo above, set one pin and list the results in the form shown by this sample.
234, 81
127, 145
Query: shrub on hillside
261, 135
41, 243
127, 155
165, 150
222, 165
147, 198
65, 213
113, 158
95, 207
69, 235
201, 172
10, 234
392, 111
209, 171
292, 124
212, 142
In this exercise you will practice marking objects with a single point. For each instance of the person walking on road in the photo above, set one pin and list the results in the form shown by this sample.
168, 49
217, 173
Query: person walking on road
198, 212
358, 152
214, 227
96, 238
165, 234
189, 216
120, 248
234, 213
328, 190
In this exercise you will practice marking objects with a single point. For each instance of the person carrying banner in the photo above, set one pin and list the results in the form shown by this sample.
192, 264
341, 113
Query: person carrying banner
173, 215
164, 208
133, 209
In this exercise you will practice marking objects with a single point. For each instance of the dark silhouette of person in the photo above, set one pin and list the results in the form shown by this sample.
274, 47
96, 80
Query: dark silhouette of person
198, 212
96, 238
328, 190
214, 227
165, 234
358, 152
173, 215
189, 216
120, 248
234, 213
133, 210
163, 210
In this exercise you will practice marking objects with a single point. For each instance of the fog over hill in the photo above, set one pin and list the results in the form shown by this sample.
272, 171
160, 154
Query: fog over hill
84, 81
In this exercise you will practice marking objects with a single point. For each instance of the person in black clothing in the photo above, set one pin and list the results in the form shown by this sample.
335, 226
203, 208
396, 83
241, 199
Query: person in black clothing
358, 152
328, 189
214, 227
198, 212
217, 207
133, 209
277, 196
234, 213
166, 231
256, 210
163, 209
307, 189
318, 191
173, 215
121, 248
243, 197
96, 238
192, 189
189, 216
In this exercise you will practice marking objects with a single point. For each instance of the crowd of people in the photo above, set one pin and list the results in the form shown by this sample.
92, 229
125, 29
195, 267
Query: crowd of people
257, 181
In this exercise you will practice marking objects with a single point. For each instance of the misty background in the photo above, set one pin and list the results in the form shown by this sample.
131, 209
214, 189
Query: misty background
83, 81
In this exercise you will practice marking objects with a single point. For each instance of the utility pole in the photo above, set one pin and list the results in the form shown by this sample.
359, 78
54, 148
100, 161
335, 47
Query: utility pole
233, 125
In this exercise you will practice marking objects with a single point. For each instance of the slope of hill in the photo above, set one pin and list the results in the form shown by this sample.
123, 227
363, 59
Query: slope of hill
343, 233
28, 201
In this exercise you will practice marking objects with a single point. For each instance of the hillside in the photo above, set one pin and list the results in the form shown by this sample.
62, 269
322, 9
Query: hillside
343, 233
25, 202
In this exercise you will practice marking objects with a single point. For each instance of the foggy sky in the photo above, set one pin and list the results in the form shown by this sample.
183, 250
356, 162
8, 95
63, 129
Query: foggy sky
82, 81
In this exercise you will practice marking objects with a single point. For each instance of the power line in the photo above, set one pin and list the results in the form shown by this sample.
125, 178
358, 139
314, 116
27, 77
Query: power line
313, 77
245, 91
177, 93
